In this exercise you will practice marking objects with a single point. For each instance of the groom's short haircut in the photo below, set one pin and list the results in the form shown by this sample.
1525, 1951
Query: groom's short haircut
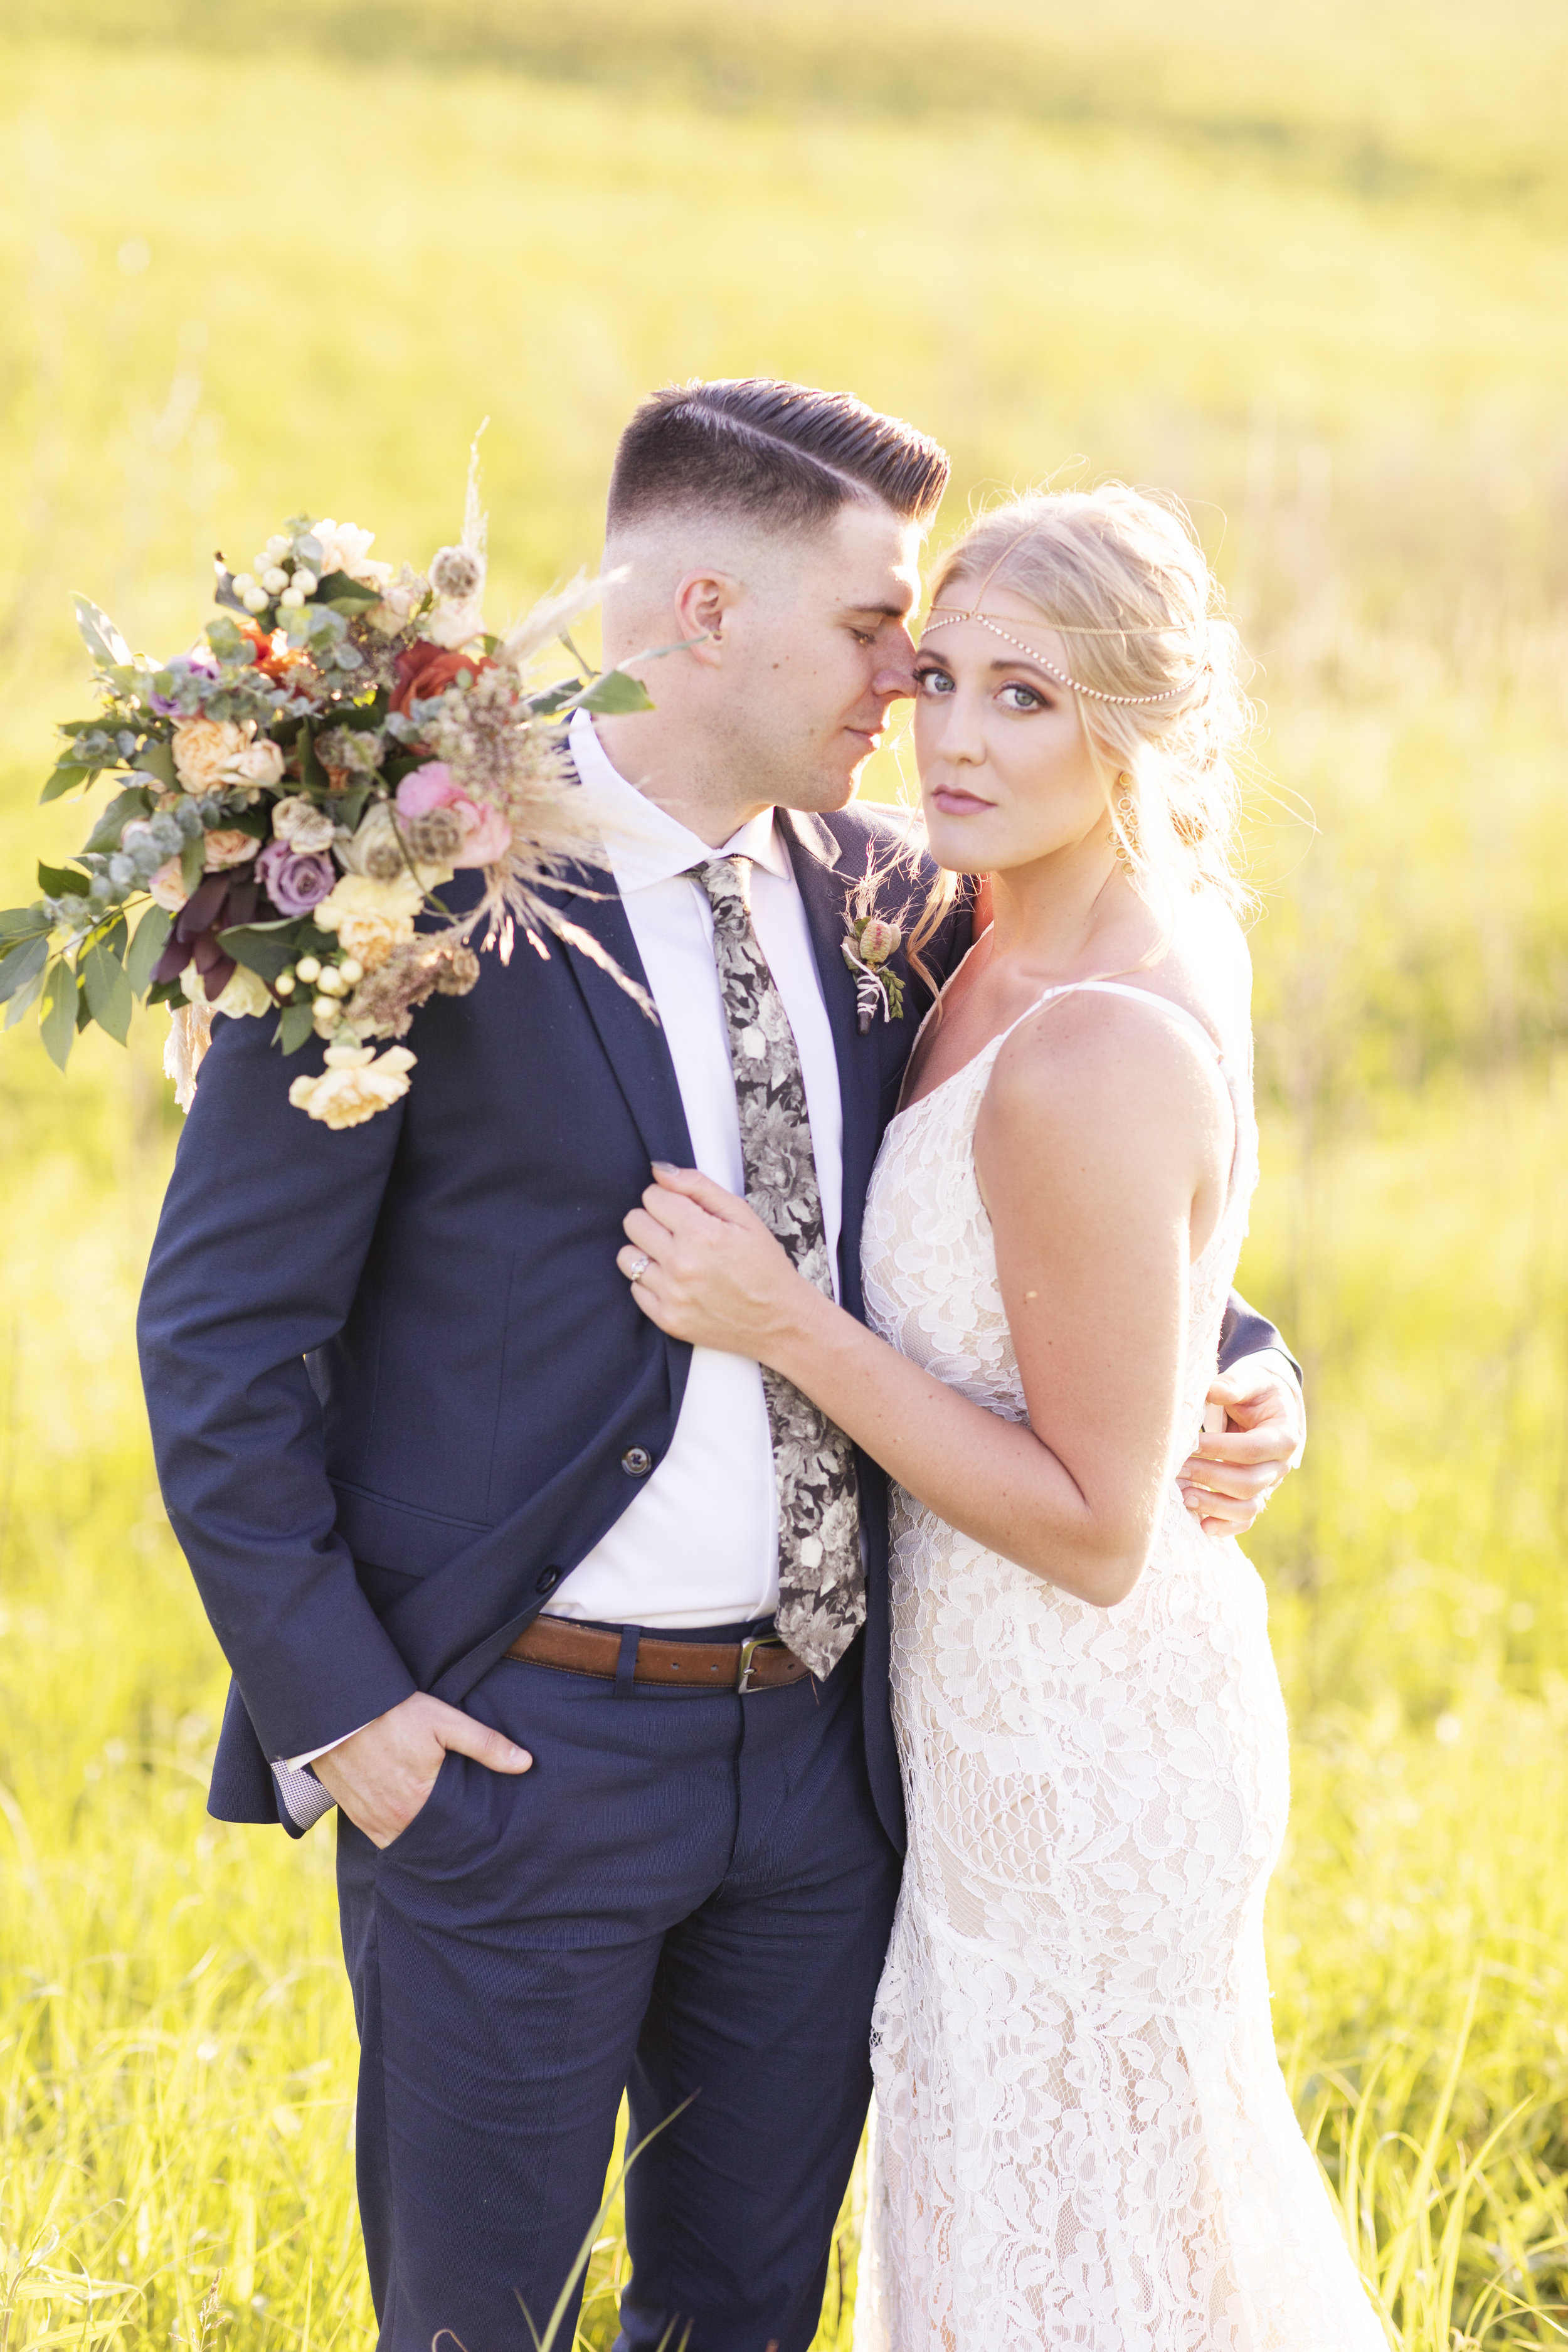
779, 454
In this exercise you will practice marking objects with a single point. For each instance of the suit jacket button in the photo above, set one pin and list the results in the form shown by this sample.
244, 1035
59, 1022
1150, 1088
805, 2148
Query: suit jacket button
547, 1580
636, 1462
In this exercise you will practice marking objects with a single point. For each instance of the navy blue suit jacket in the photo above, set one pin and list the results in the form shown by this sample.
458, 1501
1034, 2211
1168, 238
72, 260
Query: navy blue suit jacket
394, 1376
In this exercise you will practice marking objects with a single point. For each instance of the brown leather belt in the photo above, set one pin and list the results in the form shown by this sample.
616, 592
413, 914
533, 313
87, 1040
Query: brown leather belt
757, 1664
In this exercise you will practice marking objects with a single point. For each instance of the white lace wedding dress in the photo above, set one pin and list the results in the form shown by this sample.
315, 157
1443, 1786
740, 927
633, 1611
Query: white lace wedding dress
1082, 2135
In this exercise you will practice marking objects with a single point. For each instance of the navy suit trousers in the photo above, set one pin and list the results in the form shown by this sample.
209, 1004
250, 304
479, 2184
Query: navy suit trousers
688, 1896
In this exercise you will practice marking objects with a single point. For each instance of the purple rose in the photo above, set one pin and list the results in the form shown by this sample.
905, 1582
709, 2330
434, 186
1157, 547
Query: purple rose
294, 882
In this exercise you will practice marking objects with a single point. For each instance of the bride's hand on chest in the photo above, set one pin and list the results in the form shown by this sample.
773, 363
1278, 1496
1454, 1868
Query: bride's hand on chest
704, 1267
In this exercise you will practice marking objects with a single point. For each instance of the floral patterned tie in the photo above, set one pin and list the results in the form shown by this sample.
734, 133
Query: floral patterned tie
822, 1582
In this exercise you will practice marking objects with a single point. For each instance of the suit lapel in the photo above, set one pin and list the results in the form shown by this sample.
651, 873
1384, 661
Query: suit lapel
825, 885
635, 1046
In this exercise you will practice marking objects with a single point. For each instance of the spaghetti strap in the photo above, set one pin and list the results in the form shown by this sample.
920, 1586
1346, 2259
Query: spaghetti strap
1121, 988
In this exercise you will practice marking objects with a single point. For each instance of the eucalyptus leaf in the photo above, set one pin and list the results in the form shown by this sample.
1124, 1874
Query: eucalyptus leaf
614, 694
109, 996
193, 862
133, 801
64, 778
99, 636
151, 938
59, 882
57, 1019
22, 963
295, 1024
312, 775
24, 923
24, 997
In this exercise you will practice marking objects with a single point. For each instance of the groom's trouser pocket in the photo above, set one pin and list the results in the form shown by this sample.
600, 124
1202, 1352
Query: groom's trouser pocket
690, 1892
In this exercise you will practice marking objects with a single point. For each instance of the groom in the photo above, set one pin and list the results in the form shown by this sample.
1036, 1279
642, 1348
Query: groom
502, 1571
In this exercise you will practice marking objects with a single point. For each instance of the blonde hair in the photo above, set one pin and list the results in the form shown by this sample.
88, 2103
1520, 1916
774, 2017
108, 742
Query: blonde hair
1153, 665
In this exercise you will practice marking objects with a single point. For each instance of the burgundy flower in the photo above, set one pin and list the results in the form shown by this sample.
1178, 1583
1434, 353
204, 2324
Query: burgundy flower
217, 903
294, 880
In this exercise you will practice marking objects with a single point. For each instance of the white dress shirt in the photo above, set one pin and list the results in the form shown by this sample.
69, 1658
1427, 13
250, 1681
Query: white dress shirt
699, 1544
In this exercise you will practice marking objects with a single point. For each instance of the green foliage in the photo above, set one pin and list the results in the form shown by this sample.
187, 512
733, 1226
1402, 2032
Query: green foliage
132, 801
61, 1003
108, 990
295, 1024
23, 960
64, 776
613, 694
99, 636
265, 948
1307, 270
148, 944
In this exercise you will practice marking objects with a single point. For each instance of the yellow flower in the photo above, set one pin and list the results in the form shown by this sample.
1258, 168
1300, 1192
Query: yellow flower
354, 1085
245, 994
203, 748
370, 917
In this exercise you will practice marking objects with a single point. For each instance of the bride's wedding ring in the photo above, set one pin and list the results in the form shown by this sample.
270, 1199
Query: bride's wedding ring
638, 1266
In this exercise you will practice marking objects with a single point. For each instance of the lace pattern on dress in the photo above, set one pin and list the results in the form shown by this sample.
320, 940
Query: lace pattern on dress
1083, 2136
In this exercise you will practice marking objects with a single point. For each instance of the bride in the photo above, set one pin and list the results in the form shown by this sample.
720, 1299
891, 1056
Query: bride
1083, 2138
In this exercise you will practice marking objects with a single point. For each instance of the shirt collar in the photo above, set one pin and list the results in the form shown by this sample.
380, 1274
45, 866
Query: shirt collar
644, 843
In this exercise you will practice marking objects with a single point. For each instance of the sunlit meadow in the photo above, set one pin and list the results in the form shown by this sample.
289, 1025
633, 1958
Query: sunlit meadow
1309, 273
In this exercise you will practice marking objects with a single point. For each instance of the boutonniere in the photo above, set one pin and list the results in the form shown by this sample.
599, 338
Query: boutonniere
869, 944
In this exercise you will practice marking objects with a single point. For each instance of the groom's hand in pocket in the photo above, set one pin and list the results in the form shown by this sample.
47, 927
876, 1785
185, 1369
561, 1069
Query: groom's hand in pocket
1255, 1428
382, 1776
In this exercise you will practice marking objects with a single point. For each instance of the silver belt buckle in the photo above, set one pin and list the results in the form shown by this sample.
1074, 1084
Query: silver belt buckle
744, 1683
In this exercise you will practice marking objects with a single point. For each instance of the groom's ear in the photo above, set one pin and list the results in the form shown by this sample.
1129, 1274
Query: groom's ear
705, 603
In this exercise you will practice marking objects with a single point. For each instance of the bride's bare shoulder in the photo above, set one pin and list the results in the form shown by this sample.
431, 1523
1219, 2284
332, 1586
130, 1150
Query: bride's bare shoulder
1093, 1059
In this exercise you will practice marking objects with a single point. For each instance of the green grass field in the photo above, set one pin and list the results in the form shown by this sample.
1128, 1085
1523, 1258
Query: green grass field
1309, 272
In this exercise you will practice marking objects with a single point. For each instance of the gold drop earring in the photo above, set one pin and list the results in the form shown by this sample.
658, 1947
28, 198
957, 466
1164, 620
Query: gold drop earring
1126, 834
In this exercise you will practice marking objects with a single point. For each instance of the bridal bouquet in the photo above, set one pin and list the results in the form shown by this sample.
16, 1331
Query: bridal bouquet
293, 794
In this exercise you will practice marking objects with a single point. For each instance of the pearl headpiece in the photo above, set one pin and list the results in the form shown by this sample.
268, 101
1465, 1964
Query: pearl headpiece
1097, 693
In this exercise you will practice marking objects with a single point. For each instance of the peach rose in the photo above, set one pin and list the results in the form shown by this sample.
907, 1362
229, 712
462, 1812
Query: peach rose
258, 764
168, 891
370, 917
203, 748
355, 1084
228, 846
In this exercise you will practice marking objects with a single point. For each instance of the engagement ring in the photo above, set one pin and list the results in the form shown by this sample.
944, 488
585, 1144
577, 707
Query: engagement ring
639, 1267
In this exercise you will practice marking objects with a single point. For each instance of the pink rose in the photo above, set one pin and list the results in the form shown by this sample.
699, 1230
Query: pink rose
487, 835
425, 788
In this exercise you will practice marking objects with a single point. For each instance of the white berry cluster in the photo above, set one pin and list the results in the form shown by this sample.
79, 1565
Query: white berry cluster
330, 982
278, 572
